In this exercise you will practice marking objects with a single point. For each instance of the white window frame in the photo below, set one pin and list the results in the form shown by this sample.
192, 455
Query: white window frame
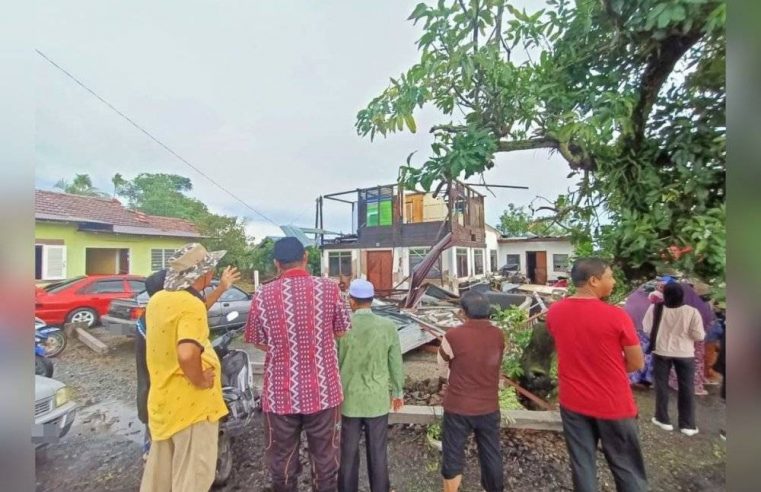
483, 262
47, 249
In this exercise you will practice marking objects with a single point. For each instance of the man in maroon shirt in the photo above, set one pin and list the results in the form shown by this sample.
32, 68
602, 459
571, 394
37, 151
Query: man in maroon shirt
597, 345
295, 321
472, 353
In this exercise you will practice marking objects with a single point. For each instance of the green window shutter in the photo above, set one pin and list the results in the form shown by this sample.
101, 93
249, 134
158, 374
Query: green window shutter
372, 214
386, 213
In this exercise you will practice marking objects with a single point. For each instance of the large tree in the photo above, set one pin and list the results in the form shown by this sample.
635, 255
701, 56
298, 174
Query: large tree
631, 93
166, 195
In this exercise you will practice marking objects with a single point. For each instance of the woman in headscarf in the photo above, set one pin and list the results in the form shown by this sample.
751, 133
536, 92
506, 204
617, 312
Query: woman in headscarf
673, 328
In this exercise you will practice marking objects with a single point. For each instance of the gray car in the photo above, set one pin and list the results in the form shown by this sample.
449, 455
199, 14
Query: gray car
124, 313
54, 411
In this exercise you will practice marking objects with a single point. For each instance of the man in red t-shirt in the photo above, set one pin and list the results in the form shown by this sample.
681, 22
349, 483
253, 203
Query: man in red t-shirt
597, 345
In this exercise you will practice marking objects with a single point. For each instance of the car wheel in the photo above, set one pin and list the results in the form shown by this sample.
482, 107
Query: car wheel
55, 344
224, 460
83, 315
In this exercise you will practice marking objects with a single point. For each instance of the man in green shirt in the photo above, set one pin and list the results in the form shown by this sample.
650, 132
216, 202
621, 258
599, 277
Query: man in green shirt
370, 359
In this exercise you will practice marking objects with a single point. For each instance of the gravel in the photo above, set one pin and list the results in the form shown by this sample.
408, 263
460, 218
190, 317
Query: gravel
103, 450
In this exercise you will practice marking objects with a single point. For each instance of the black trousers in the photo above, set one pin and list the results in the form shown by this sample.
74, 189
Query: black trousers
620, 445
283, 437
376, 434
685, 372
455, 431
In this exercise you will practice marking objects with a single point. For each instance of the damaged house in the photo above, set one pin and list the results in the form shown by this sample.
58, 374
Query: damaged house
394, 229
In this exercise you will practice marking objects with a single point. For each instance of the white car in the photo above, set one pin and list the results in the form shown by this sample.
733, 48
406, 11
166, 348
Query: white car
54, 411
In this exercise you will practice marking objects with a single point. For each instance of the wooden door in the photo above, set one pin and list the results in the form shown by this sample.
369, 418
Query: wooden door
379, 264
540, 272
413, 209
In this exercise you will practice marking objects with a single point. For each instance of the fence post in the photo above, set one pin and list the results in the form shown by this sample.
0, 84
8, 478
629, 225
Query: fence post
256, 279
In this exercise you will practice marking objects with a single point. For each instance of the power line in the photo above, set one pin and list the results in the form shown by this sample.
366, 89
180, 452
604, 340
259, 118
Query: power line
162, 144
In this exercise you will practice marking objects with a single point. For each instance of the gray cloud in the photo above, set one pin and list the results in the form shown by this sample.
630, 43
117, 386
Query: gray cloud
261, 96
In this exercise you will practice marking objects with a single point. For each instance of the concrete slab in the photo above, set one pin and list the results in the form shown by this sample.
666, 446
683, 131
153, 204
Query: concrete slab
515, 419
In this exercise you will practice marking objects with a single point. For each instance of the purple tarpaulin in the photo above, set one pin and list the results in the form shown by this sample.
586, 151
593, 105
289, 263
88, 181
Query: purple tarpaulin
637, 304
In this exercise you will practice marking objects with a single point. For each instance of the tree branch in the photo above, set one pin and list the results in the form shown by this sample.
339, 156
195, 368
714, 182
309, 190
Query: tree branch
532, 143
449, 128
661, 63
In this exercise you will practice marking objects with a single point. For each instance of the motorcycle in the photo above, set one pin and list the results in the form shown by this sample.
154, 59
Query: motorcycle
52, 339
240, 395
42, 366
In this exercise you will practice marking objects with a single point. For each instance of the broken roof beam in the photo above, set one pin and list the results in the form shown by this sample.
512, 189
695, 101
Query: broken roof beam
420, 272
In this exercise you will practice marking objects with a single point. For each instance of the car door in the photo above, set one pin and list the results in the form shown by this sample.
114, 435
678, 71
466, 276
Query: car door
100, 293
216, 314
234, 299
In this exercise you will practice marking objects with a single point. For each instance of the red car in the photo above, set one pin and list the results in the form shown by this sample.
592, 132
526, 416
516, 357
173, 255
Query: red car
83, 299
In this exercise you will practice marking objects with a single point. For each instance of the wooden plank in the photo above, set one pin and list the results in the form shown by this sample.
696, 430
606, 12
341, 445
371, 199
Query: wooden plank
89, 339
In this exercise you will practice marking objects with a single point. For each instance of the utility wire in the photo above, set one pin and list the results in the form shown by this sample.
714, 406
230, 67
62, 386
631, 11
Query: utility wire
162, 144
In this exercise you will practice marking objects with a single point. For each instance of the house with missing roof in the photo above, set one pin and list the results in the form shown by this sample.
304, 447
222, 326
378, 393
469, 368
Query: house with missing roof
394, 229
81, 235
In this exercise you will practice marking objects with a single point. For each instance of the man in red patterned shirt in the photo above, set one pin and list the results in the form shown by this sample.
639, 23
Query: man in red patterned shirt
295, 321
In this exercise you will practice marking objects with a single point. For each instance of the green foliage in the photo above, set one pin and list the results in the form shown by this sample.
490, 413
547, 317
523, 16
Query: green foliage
80, 185
262, 259
508, 400
119, 182
165, 195
517, 222
630, 93
434, 431
314, 256
512, 321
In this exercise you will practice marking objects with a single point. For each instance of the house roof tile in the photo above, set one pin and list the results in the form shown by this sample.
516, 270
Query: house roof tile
49, 205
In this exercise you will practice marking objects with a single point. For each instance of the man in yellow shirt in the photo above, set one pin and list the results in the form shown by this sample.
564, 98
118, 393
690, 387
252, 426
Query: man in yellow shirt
185, 400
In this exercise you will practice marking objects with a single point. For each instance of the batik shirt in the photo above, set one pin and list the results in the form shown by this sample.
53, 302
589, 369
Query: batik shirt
298, 317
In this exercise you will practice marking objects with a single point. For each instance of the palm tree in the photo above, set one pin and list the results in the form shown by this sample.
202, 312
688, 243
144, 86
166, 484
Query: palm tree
81, 185
119, 183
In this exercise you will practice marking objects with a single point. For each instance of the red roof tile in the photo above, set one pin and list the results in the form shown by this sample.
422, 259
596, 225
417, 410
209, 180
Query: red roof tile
77, 208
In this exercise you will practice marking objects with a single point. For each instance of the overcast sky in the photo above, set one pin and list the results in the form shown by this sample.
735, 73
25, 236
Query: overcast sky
261, 96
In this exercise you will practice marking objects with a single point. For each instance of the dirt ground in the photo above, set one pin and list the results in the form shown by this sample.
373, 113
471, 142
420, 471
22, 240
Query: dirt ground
103, 450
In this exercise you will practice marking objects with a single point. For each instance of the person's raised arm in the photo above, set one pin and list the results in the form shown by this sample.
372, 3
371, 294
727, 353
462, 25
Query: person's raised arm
229, 276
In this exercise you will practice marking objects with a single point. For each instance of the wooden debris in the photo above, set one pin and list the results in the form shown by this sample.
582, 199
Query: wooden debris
89, 339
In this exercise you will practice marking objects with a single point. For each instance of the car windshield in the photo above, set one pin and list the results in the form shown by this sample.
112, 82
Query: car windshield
59, 286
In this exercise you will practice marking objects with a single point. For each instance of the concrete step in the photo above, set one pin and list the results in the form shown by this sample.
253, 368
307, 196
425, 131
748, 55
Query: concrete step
514, 419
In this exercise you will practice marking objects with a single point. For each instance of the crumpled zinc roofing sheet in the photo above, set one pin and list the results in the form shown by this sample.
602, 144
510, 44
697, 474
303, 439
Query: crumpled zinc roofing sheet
411, 335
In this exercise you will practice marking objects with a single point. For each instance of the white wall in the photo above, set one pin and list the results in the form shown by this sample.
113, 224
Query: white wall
492, 244
521, 247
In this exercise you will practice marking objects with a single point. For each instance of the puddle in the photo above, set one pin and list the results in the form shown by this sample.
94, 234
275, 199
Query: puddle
111, 416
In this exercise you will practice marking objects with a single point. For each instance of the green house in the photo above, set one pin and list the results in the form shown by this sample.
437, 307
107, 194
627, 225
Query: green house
81, 235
